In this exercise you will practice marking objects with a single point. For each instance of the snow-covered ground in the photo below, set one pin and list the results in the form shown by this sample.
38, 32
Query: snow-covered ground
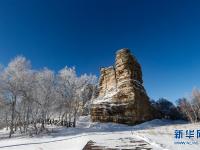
156, 134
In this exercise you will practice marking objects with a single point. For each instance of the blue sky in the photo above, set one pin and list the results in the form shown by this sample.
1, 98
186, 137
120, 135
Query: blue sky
163, 35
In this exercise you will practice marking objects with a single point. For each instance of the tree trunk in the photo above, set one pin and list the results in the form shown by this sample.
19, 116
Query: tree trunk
12, 117
35, 126
6, 121
74, 123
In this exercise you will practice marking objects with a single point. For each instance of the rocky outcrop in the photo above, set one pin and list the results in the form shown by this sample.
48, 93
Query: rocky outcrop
122, 97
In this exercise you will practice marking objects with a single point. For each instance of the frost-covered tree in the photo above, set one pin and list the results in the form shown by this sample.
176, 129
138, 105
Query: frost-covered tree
70, 89
45, 87
12, 80
66, 89
88, 91
185, 107
190, 107
29, 98
85, 92
195, 102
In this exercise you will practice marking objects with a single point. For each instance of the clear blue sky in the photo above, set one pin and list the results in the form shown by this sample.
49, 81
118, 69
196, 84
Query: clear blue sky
163, 34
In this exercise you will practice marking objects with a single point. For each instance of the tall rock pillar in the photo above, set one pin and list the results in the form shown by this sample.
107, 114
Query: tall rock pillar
122, 97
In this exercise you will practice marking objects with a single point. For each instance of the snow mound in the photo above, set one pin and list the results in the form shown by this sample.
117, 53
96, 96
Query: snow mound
145, 125
157, 122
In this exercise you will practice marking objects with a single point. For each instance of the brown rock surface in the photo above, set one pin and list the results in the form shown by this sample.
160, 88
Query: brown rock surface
122, 97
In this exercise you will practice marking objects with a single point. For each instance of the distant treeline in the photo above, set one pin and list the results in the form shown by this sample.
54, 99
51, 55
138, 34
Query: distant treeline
185, 108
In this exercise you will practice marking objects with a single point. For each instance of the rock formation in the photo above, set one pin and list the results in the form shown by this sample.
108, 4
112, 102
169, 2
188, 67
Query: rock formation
122, 97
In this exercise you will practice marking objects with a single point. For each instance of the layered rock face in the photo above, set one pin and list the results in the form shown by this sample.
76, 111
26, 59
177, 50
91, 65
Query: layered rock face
122, 97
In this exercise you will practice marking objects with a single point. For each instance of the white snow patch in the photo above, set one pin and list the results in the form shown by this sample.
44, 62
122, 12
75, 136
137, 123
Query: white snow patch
158, 133
106, 98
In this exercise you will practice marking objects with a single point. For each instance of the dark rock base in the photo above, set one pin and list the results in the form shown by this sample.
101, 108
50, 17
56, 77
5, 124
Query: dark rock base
125, 113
